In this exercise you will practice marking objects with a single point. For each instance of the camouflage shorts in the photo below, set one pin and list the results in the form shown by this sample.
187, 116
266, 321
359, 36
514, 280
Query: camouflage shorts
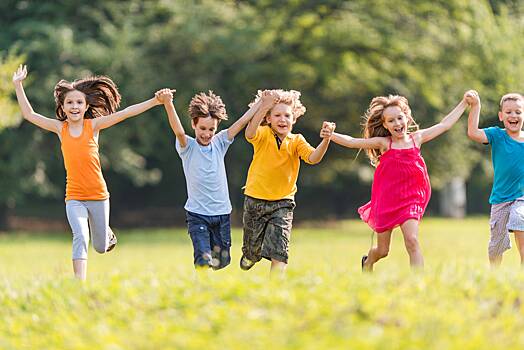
267, 228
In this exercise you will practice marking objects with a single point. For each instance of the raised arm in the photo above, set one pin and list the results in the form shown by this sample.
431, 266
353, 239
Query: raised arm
446, 123
131, 111
474, 133
27, 111
166, 97
267, 101
237, 126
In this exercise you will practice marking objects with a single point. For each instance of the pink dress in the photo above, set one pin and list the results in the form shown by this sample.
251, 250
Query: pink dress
400, 191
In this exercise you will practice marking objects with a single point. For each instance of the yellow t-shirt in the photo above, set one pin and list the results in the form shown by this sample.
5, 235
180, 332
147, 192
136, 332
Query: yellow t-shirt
273, 171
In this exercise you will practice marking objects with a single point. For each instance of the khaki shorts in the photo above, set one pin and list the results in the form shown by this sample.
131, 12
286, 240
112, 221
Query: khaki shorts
504, 218
267, 228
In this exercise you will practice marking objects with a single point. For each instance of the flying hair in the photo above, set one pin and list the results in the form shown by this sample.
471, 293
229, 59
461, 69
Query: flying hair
101, 94
373, 120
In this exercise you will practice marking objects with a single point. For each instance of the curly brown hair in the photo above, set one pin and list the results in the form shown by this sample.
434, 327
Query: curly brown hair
373, 124
207, 105
100, 92
288, 97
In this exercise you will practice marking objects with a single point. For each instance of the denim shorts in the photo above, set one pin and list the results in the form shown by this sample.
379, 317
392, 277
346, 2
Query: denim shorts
211, 237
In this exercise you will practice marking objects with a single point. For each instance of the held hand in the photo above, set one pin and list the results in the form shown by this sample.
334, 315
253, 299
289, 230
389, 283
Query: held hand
327, 130
472, 97
20, 74
164, 95
268, 99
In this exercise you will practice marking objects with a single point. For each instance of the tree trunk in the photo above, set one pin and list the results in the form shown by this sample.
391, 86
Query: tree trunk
4, 224
453, 198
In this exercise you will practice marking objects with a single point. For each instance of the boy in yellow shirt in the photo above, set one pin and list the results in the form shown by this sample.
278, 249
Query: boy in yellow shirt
272, 176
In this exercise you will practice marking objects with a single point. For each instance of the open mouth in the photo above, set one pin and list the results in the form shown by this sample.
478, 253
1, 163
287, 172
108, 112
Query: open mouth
513, 123
399, 130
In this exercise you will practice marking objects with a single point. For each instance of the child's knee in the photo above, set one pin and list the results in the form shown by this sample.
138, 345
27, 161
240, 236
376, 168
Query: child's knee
411, 243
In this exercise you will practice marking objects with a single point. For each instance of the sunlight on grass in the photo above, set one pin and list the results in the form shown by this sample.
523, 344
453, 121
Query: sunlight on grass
146, 294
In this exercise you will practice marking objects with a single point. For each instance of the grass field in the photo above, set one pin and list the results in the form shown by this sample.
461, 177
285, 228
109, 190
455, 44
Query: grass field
146, 294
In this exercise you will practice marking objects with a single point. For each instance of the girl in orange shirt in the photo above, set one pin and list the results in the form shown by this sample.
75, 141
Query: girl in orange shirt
83, 108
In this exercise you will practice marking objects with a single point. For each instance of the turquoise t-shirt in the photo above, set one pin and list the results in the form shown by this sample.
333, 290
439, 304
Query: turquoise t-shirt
507, 156
206, 180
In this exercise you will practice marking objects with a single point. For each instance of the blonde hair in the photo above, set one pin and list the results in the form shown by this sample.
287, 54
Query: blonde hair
512, 96
288, 97
373, 124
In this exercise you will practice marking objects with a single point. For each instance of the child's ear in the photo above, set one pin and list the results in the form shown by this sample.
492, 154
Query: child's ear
501, 117
193, 124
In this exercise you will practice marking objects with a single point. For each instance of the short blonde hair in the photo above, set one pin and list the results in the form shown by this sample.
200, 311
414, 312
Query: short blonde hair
288, 97
512, 96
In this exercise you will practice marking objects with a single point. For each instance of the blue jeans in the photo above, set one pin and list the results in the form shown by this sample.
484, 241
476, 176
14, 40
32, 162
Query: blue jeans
211, 237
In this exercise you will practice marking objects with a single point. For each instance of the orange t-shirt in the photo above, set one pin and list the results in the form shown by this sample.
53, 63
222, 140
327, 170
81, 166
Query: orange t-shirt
82, 164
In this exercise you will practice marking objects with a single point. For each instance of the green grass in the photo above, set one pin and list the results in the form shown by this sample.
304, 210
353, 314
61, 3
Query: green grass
146, 294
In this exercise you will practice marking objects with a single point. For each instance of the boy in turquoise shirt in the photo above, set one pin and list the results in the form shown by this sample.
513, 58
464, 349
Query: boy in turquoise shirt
507, 153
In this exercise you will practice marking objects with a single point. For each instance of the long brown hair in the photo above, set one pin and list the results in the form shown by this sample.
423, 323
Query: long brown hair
373, 124
100, 92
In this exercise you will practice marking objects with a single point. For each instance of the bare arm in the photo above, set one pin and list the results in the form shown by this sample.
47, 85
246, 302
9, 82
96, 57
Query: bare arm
267, 101
474, 133
131, 111
318, 153
325, 133
166, 97
352, 142
446, 123
27, 111
237, 126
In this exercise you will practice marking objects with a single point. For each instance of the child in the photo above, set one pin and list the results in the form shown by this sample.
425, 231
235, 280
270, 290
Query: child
83, 108
507, 194
208, 207
271, 179
401, 188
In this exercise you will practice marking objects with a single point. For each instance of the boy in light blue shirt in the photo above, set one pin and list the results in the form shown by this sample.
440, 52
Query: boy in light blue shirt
208, 207
507, 154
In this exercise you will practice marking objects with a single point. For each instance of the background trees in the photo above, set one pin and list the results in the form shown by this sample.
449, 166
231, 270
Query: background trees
338, 53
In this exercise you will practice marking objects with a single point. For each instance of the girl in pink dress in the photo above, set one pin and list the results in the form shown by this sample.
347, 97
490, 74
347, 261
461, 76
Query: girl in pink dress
401, 188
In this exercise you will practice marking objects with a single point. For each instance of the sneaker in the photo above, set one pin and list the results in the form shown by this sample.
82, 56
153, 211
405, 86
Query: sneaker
112, 241
245, 263
362, 261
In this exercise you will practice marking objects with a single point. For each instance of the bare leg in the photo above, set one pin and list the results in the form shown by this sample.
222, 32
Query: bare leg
278, 266
380, 251
410, 231
80, 268
519, 240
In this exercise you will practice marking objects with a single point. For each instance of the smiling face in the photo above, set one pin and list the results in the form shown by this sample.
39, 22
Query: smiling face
395, 121
281, 119
75, 105
205, 129
511, 115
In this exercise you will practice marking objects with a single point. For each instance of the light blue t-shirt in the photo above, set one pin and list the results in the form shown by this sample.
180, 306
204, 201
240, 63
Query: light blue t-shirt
507, 156
205, 171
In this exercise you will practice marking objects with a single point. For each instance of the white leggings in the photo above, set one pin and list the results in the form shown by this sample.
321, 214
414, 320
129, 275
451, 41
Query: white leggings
85, 216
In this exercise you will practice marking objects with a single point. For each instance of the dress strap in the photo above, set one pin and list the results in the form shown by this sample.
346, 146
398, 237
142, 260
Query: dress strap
390, 142
413, 139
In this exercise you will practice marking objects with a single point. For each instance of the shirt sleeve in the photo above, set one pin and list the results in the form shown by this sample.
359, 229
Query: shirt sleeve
223, 141
304, 149
181, 151
258, 135
491, 134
